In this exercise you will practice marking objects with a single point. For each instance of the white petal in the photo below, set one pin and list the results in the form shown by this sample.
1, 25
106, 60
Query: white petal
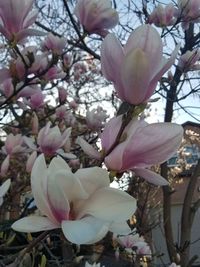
67, 185
151, 177
57, 163
93, 178
39, 187
121, 228
109, 204
33, 224
85, 231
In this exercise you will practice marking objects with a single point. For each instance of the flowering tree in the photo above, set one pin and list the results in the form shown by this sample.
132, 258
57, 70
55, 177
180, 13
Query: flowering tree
60, 149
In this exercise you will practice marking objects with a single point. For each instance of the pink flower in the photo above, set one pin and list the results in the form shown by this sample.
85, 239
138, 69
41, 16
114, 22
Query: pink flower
13, 144
62, 94
135, 69
188, 11
15, 18
51, 139
135, 242
30, 161
96, 118
142, 145
96, 16
36, 100
187, 62
163, 16
7, 87
81, 203
54, 43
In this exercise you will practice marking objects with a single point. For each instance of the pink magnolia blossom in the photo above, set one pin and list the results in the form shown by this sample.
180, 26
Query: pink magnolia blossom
36, 100
30, 161
163, 16
13, 144
96, 118
135, 242
190, 61
61, 112
189, 12
142, 146
4, 189
15, 19
7, 88
81, 203
34, 124
80, 68
67, 61
62, 94
136, 68
51, 139
54, 43
96, 16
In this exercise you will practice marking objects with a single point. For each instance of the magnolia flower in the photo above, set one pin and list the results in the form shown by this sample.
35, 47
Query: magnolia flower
188, 61
54, 43
51, 139
13, 144
81, 203
163, 16
96, 16
62, 94
4, 189
135, 242
95, 118
142, 146
136, 68
30, 161
188, 11
15, 18
36, 100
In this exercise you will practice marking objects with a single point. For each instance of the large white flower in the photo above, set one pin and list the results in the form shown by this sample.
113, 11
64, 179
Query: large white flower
81, 203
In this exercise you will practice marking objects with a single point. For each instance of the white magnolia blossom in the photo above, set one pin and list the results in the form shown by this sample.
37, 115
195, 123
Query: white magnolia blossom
81, 203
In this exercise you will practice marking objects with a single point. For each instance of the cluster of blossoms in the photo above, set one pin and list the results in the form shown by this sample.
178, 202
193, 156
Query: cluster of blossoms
69, 195
186, 11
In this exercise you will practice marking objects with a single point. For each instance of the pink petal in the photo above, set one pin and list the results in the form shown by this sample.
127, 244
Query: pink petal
148, 145
166, 65
87, 148
135, 75
111, 57
151, 176
110, 132
147, 38
33, 224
